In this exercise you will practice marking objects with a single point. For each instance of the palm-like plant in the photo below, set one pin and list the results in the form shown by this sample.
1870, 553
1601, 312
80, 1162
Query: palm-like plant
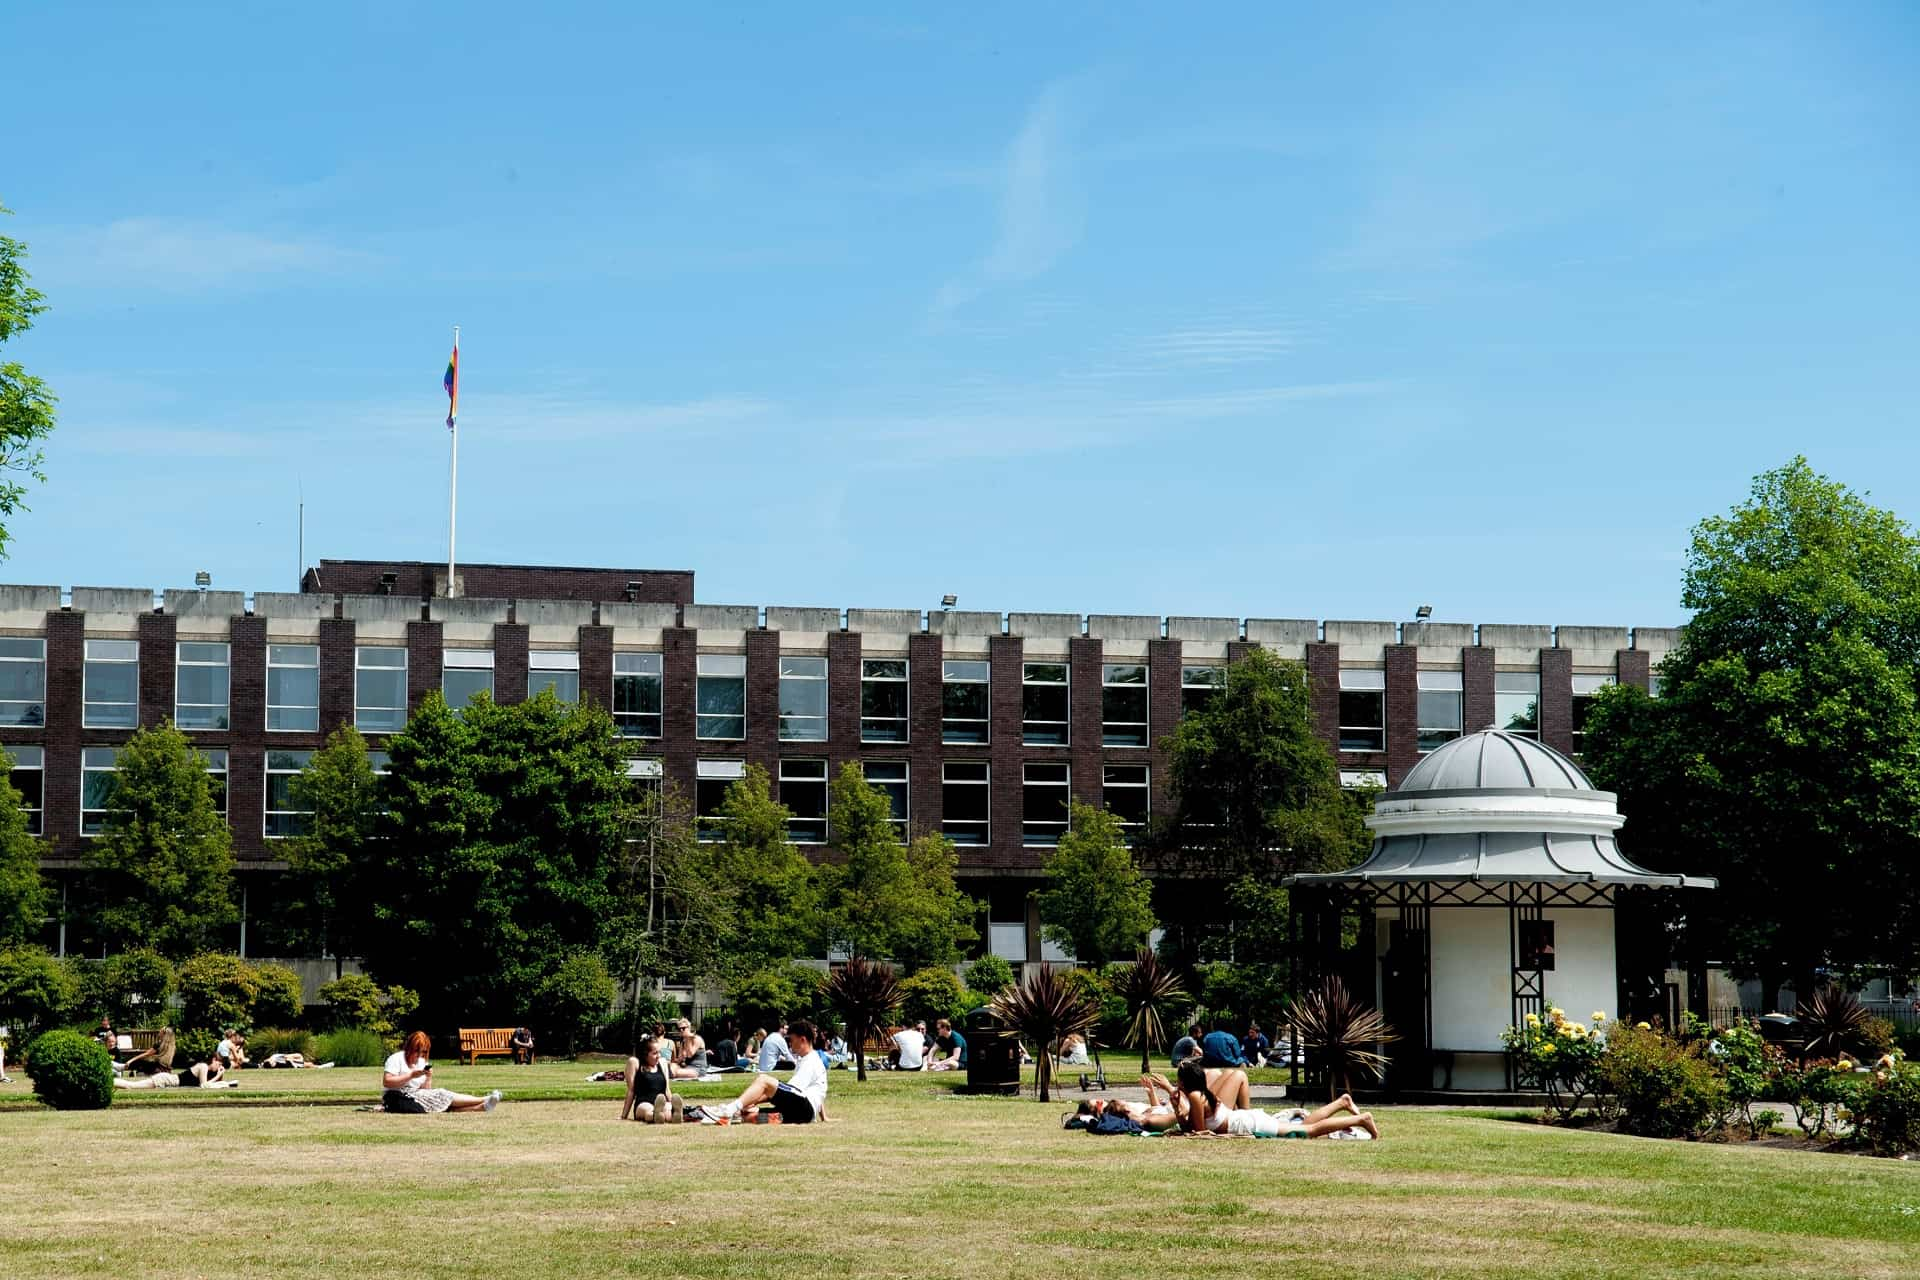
1833, 1021
1153, 995
865, 995
1341, 1032
1045, 1010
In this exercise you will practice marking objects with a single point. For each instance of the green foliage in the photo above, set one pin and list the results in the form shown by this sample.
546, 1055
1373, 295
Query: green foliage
70, 1072
1833, 1022
507, 847
1747, 1064
196, 1045
326, 889
866, 996
1045, 1011
36, 991
572, 1001
989, 975
134, 987
1886, 1109
26, 406
772, 892
1787, 722
164, 866
1563, 1056
783, 991
217, 992
1110, 1009
1243, 993
1817, 1091
279, 996
263, 1042
1153, 998
886, 899
672, 916
24, 897
351, 1047
357, 1002
1663, 1089
931, 994
1098, 903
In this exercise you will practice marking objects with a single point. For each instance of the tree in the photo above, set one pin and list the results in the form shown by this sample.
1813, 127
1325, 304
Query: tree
1783, 755
23, 892
340, 789
26, 406
1098, 903
164, 864
771, 891
866, 996
885, 899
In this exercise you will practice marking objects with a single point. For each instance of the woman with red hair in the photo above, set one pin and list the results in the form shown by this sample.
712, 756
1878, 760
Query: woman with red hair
408, 1081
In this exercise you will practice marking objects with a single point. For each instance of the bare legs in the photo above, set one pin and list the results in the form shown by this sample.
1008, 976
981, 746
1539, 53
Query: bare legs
1328, 1120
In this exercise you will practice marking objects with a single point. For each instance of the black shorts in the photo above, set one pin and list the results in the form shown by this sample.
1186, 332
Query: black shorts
792, 1106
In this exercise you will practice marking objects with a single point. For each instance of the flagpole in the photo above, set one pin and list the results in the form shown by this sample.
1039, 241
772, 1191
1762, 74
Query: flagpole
453, 466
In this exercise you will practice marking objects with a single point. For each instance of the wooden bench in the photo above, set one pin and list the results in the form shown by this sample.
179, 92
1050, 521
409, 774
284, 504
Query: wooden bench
135, 1041
485, 1042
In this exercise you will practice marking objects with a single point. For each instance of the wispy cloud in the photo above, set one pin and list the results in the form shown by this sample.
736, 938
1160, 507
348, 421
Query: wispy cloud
1041, 211
183, 256
1215, 346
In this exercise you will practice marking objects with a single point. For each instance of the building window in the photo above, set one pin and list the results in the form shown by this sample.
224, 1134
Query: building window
217, 779
1127, 796
282, 819
1043, 803
1439, 708
1584, 687
720, 696
1536, 944
803, 699
293, 687
29, 777
23, 681
1363, 779
381, 764
966, 801
1516, 702
112, 685
649, 775
890, 778
883, 700
1199, 686
1653, 686
379, 690
965, 695
1363, 710
552, 669
803, 789
464, 673
99, 774
636, 694
1043, 703
200, 683
711, 778
1123, 704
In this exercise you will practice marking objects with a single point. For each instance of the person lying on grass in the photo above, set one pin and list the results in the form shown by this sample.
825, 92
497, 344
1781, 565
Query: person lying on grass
155, 1066
801, 1099
408, 1083
1206, 1113
650, 1095
1159, 1113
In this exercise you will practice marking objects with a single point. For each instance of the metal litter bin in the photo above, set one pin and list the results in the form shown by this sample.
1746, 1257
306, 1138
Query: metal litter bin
993, 1054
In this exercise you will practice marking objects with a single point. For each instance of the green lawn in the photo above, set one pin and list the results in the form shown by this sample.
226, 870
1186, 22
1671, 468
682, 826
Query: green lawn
909, 1181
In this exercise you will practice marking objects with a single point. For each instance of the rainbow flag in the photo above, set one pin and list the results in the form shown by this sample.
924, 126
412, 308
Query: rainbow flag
452, 383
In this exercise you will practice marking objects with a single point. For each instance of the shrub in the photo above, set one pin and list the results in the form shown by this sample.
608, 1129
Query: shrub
572, 1000
134, 986
37, 992
89, 979
767, 995
279, 998
350, 1047
70, 1072
194, 1046
1747, 1064
1886, 1109
271, 1040
1816, 1090
1876, 1037
356, 1002
1834, 1022
1766, 1120
1663, 1089
1562, 1056
931, 994
989, 975
1099, 985
216, 992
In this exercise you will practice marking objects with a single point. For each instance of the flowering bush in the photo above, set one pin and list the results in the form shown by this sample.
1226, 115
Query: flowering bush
1885, 1107
1664, 1089
1562, 1056
1817, 1090
1748, 1065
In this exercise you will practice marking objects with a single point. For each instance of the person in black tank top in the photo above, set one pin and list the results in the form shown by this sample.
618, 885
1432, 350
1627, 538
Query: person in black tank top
648, 1079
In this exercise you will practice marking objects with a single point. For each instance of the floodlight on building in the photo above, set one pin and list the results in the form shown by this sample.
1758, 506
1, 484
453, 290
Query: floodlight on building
203, 579
633, 592
948, 601
387, 580
1424, 612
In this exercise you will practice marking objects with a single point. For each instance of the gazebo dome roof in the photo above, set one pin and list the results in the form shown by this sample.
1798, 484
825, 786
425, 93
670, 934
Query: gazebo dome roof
1494, 760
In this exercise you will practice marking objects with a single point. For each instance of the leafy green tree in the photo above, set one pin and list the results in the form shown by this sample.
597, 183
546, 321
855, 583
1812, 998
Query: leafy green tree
356, 1001
327, 896
134, 986
887, 900
770, 889
23, 891
506, 829
989, 975
26, 406
1098, 903
164, 865
572, 1001
217, 992
36, 992
763, 997
1783, 755
279, 997
931, 994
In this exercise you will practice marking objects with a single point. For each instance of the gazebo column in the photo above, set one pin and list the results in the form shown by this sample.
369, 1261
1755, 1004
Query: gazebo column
1529, 984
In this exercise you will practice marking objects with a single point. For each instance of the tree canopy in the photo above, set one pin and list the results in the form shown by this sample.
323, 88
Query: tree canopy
339, 790
1098, 902
26, 406
23, 891
887, 899
772, 892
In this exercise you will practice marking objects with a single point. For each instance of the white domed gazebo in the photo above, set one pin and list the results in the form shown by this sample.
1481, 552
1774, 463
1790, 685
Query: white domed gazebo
1491, 893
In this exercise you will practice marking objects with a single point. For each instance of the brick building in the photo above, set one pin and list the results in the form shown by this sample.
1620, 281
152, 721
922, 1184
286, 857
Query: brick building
976, 724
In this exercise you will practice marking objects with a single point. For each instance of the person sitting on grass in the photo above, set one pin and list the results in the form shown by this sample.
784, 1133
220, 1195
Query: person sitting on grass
1205, 1112
952, 1046
232, 1050
155, 1066
1255, 1044
801, 1099
650, 1095
909, 1050
1073, 1051
1187, 1046
1221, 1048
407, 1080
690, 1056
522, 1046
776, 1054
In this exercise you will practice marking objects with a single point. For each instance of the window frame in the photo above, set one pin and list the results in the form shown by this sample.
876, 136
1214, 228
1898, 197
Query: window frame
223, 771
1356, 683
224, 720
87, 700
902, 818
1191, 690
880, 729
1055, 829
35, 717
86, 767
700, 679
361, 709
984, 682
1432, 737
273, 706
1503, 720
725, 771
796, 677
1041, 737
962, 831
1143, 687
295, 828
1583, 703
624, 721
466, 661
554, 665
795, 770
36, 812
1144, 788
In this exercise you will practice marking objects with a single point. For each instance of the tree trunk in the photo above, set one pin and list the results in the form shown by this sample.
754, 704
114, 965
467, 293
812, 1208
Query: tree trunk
859, 1037
1043, 1072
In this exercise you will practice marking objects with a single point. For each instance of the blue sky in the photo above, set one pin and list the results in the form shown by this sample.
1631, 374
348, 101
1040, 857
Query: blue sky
1163, 309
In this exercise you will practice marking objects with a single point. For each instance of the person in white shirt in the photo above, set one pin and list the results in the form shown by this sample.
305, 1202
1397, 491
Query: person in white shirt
800, 1099
408, 1081
909, 1050
775, 1050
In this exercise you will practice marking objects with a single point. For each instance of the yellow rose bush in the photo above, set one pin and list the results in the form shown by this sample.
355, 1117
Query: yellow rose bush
1557, 1056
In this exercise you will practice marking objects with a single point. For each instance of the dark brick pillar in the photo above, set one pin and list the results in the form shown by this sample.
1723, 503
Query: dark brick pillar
763, 701
1476, 680
246, 776
924, 658
1084, 690
66, 657
1007, 753
1323, 692
156, 668
1403, 711
423, 662
843, 698
1163, 712
679, 647
1635, 668
596, 665
1237, 650
1556, 699
336, 673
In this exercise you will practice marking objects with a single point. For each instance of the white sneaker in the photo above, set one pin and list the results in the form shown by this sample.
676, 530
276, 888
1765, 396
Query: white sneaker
491, 1101
679, 1115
